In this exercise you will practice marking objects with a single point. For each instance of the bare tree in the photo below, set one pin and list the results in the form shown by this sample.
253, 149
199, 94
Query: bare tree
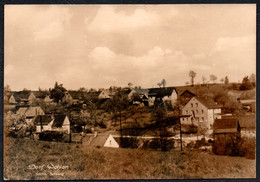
192, 75
213, 78
226, 80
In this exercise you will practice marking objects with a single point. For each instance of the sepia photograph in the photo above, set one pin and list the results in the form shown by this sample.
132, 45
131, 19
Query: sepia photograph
136, 91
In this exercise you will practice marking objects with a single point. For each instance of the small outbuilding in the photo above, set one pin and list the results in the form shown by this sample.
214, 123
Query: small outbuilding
104, 140
227, 136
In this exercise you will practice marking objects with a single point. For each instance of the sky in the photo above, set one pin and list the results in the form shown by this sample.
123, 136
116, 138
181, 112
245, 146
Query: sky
98, 46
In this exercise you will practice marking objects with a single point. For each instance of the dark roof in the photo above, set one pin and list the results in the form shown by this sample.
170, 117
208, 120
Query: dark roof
187, 91
141, 91
99, 140
93, 94
228, 125
126, 91
42, 118
208, 103
78, 94
160, 92
40, 94
58, 120
21, 95
245, 121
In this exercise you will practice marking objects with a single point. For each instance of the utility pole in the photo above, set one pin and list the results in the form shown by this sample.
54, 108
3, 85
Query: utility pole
180, 134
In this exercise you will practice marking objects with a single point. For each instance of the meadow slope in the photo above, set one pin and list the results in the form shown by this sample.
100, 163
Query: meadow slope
85, 162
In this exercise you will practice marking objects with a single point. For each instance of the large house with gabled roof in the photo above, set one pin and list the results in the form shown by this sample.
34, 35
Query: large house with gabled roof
201, 111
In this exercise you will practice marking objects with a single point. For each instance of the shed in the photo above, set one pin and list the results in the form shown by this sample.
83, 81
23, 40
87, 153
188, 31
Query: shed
227, 137
104, 140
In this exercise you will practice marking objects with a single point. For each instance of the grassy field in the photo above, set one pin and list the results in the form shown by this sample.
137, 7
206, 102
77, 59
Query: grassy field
85, 162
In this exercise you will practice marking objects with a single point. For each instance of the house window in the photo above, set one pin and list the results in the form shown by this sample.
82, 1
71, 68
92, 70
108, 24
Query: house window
197, 118
197, 105
202, 118
202, 111
186, 111
191, 104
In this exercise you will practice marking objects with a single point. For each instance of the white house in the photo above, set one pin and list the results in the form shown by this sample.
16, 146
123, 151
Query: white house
61, 123
167, 94
202, 111
43, 123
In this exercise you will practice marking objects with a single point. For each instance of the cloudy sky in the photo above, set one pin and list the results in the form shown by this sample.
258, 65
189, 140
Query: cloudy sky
96, 46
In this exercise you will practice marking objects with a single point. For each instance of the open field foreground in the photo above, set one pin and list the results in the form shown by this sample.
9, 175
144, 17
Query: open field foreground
29, 160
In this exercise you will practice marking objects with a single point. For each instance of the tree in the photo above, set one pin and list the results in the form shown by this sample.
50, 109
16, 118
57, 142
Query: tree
203, 79
130, 85
119, 103
159, 84
246, 84
252, 79
226, 80
222, 80
163, 82
136, 113
192, 75
57, 93
213, 78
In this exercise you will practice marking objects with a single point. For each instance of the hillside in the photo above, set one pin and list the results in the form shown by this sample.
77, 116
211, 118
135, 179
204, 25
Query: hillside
84, 162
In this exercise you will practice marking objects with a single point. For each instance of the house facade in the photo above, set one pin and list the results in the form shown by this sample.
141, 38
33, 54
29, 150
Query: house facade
106, 94
61, 123
52, 123
43, 123
201, 111
142, 93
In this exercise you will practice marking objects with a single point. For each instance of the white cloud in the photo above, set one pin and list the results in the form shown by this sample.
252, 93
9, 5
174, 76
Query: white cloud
108, 20
44, 22
237, 43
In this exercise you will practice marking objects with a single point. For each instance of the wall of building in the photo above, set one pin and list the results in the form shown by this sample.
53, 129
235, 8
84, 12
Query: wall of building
201, 114
66, 125
12, 100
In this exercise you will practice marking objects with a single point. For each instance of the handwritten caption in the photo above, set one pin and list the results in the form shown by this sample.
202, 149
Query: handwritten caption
51, 167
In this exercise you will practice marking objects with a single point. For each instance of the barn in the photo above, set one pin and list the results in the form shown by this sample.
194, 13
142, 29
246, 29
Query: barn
227, 137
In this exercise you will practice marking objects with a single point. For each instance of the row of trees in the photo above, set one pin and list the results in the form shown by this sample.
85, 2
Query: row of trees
247, 83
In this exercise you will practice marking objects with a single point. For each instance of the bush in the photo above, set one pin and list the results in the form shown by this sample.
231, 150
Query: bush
227, 144
131, 142
51, 136
248, 147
